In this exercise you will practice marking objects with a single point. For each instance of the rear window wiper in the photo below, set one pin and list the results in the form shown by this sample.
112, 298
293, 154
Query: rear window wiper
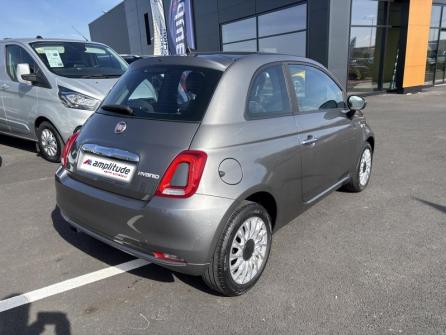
121, 109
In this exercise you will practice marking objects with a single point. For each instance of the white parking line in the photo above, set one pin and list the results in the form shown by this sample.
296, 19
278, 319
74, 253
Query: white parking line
70, 284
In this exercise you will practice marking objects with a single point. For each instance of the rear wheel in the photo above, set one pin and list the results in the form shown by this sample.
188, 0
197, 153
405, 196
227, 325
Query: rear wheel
242, 251
361, 177
49, 142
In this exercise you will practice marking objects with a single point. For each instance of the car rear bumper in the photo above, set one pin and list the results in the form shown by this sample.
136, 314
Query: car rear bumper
186, 228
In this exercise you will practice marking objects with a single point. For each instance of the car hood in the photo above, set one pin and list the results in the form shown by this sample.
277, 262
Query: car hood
96, 88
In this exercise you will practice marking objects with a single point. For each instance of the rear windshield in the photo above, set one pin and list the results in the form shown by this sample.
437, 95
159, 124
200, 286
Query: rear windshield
178, 93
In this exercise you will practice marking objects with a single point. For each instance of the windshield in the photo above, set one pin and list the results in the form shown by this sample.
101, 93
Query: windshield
179, 93
80, 60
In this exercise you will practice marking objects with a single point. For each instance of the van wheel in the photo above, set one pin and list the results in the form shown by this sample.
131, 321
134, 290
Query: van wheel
361, 177
49, 141
242, 251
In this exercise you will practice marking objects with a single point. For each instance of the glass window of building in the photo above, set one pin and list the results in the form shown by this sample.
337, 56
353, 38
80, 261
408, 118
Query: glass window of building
436, 50
239, 31
248, 46
440, 73
292, 44
431, 60
367, 12
283, 21
436, 16
280, 31
443, 18
375, 45
362, 69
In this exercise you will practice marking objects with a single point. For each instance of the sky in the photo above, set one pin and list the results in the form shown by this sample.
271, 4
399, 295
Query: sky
50, 18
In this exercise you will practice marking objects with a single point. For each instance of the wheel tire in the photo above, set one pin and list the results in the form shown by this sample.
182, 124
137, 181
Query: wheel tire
218, 275
355, 185
49, 142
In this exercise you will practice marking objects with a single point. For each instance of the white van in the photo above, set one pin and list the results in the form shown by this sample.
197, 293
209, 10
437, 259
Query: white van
49, 87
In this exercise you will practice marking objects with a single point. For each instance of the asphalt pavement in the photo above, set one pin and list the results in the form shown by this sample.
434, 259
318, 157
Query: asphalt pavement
368, 263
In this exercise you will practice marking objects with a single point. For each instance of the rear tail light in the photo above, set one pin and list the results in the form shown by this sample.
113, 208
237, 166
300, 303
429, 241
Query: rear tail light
167, 257
195, 161
67, 148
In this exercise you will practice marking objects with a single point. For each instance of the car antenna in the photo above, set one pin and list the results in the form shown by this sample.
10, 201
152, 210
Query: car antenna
77, 31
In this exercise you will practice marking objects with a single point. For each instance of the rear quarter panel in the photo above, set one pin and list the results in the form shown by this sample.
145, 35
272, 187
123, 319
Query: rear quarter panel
267, 153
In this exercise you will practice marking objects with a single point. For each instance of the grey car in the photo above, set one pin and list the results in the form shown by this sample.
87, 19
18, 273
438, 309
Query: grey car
192, 162
49, 87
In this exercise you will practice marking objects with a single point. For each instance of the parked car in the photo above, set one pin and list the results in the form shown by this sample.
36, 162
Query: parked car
48, 88
192, 162
130, 58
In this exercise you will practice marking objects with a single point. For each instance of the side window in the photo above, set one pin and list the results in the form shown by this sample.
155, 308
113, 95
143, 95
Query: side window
314, 89
268, 95
17, 55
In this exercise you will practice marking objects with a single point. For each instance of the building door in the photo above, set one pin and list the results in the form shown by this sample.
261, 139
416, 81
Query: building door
436, 51
440, 73
375, 47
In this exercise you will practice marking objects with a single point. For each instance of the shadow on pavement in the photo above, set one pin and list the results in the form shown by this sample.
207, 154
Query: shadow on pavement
432, 204
112, 256
18, 143
15, 321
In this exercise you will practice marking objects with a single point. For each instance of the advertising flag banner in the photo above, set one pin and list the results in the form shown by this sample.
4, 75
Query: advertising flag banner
160, 39
181, 27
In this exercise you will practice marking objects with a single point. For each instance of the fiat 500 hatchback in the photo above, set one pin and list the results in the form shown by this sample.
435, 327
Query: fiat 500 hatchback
192, 162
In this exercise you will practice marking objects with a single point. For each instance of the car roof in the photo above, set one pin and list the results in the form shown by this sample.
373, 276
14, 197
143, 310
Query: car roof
36, 39
218, 60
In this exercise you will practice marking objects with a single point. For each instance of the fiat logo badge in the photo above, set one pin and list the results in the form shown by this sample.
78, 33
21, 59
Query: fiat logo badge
120, 127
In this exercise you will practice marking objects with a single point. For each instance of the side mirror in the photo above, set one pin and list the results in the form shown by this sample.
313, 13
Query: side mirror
23, 70
33, 78
356, 103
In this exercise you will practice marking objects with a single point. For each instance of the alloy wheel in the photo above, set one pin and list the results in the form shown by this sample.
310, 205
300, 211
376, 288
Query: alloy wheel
48, 142
248, 250
365, 166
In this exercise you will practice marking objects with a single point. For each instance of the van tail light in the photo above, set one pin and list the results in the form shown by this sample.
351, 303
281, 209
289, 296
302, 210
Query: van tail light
67, 148
195, 161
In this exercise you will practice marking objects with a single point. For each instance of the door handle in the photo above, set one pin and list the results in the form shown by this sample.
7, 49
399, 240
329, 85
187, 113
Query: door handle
4, 86
310, 140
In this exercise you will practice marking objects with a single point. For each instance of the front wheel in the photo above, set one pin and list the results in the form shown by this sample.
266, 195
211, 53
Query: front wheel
242, 251
361, 177
49, 141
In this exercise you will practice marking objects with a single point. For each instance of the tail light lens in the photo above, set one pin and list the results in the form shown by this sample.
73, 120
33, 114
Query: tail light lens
67, 148
195, 161
167, 257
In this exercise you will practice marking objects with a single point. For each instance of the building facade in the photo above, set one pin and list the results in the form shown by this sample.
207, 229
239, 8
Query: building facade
126, 28
370, 45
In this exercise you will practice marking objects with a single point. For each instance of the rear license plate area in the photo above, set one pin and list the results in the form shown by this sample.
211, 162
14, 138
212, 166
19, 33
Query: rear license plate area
106, 167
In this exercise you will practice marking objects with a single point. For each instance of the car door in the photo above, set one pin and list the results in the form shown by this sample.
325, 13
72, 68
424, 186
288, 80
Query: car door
326, 132
19, 99
273, 138
3, 84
